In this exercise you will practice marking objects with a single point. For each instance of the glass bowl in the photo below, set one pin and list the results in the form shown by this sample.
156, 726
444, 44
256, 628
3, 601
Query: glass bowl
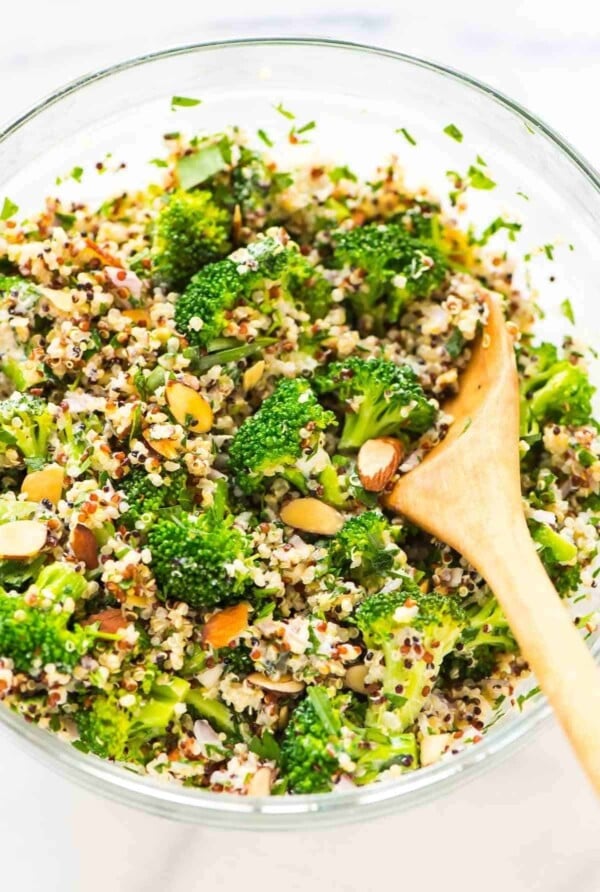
367, 103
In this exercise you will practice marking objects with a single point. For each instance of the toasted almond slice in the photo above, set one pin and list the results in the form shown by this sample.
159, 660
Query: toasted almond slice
44, 484
186, 403
224, 626
378, 461
355, 678
283, 686
109, 620
62, 301
312, 516
138, 315
253, 375
21, 539
261, 782
168, 447
84, 546
433, 747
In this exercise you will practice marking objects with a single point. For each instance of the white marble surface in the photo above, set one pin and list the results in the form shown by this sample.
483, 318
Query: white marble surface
530, 824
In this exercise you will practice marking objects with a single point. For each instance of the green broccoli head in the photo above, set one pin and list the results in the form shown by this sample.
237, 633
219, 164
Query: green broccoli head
552, 391
379, 398
145, 500
285, 433
201, 559
411, 633
34, 627
326, 738
190, 231
26, 424
270, 266
113, 731
485, 637
559, 557
365, 549
397, 268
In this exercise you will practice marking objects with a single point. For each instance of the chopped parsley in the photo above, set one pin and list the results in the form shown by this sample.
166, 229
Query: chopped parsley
9, 209
262, 135
453, 132
549, 251
478, 179
495, 226
76, 174
183, 102
342, 173
200, 166
407, 136
158, 162
284, 111
567, 310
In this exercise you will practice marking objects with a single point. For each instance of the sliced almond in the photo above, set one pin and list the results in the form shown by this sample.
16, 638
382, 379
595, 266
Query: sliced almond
378, 461
433, 747
312, 516
138, 315
283, 686
168, 447
261, 782
44, 484
253, 375
109, 620
62, 301
187, 405
21, 539
224, 627
84, 546
355, 678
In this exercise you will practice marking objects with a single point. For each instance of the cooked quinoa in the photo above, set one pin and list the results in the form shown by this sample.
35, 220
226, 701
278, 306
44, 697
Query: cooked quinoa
199, 578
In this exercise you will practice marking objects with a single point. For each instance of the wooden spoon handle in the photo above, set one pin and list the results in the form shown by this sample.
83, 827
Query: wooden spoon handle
549, 641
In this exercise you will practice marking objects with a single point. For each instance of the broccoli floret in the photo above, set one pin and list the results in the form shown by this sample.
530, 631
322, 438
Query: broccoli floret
237, 659
325, 738
365, 549
485, 637
379, 398
112, 731
34, 627
270, 265
412, 633
190, 231
552, 390
281, 438
397, 269
22, 294
73, 441
192, 557
559, 557
26, 424
146, 500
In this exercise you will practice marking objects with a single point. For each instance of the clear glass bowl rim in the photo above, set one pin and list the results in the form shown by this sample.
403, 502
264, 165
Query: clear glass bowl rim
286, 813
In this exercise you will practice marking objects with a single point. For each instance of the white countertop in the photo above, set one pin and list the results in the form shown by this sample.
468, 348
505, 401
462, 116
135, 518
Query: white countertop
529, 824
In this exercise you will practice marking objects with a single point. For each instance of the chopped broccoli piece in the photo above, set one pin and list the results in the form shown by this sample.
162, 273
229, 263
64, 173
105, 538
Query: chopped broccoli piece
271, 264
146, 500
559, 557
379, 397
413, 633
34, 627
193, 557
553, 390
281, 438
237, 659
365, 549
26, 424
397, 268
325, 738
190, 231
485, 637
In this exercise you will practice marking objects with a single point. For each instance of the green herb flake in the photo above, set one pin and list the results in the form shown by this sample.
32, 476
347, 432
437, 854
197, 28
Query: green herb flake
455, 343
478, 179
306, 127
567, 310
284, 111
407, 136
453, 132
481, 161
183, 102
265, 138
495, 226
65, 220
199, 166
9, 209
523, 698
523, 195
342, 173
159, 162
76, 174
549, 251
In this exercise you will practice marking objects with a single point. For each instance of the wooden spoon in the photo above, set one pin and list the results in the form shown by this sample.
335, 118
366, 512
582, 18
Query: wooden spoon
467, 493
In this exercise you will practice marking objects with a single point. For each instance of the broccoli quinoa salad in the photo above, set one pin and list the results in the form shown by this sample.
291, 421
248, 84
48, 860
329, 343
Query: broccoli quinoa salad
208, 386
